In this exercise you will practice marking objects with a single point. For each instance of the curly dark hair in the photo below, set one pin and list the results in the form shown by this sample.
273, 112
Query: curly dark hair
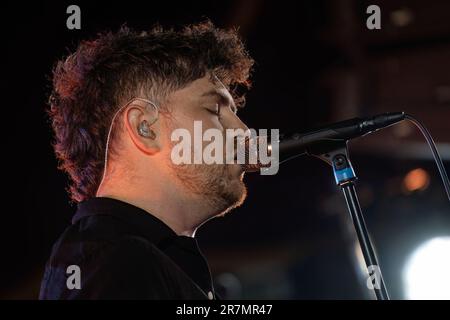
91, 84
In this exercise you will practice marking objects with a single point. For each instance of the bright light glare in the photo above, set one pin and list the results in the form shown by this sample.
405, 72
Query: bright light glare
427, 273
417, 179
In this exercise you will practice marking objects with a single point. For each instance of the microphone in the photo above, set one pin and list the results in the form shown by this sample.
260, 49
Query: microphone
344, 130
340, 131
257, 144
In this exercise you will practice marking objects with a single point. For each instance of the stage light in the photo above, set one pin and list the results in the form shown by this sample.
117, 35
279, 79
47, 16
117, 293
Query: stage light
426, 274
417, 179
402, 17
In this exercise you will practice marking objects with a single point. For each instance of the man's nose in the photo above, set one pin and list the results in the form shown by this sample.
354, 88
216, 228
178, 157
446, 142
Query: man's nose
237, 123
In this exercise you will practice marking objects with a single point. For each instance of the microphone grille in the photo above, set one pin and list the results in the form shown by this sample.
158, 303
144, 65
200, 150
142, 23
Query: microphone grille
252, 153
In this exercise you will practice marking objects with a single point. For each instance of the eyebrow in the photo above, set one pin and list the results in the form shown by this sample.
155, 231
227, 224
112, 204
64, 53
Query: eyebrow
224, 98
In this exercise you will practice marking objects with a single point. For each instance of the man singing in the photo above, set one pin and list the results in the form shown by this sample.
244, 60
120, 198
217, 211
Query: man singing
115, 103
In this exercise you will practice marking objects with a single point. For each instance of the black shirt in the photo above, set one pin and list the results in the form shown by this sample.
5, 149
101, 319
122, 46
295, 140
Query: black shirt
123, 252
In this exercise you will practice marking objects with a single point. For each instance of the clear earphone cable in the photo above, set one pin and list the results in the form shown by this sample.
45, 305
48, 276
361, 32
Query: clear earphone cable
110, 130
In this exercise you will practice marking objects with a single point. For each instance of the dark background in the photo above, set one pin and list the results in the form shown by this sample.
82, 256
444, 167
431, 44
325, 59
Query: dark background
316, 63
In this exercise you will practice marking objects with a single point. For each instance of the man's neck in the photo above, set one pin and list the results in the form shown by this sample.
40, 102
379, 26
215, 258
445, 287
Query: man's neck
182, 215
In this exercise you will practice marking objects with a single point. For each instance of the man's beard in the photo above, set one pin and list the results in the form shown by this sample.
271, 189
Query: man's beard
221, 189
215, 183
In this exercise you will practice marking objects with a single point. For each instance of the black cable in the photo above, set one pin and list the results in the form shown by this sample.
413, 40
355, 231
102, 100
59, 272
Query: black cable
437, 157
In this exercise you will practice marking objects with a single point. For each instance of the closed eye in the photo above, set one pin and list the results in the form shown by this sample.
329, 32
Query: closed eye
223, 99
214, 110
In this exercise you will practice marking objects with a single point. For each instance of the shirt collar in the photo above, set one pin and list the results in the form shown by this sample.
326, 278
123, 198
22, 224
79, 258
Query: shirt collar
183, 250
148, 225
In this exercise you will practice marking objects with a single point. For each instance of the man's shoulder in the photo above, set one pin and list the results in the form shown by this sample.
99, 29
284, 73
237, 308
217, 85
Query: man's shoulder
125, 265
102, 239
114, 262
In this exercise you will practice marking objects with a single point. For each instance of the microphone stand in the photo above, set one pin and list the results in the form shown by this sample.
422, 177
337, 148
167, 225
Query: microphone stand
335, 153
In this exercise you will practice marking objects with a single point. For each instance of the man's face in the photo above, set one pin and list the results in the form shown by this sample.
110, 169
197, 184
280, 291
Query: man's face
206, 100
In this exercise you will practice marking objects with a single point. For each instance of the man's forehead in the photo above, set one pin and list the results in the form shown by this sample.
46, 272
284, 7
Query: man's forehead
204, 87
207, 84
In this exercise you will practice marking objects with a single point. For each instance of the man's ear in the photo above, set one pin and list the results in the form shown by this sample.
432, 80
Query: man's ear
143, 127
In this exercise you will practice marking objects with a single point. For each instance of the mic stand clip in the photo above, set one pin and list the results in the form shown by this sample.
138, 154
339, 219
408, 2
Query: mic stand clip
335, 153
